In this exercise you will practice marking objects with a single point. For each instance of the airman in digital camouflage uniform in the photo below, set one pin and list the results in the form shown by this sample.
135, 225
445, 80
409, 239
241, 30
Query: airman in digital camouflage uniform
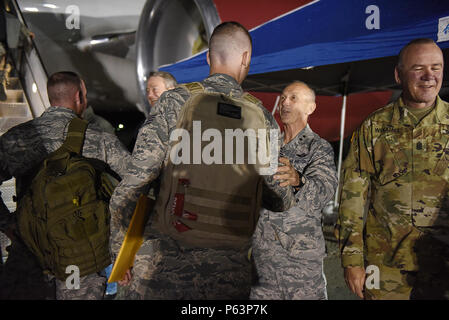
397, 170
26, 145
288, 247
158, 82
165, 268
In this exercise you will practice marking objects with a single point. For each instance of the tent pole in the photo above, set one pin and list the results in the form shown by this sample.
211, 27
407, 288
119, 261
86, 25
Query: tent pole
340, 153
276, 105
345, 81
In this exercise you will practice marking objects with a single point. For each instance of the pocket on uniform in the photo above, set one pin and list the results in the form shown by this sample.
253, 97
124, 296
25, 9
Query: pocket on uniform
391, 160
301, 246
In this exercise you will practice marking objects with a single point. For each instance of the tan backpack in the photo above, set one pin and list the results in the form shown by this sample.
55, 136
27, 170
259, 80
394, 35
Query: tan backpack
212, 205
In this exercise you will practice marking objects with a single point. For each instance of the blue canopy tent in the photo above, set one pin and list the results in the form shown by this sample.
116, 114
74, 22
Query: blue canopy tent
337, 47
329, 33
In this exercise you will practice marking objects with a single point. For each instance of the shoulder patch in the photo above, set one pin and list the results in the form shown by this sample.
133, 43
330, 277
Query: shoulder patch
251, 98
194, 87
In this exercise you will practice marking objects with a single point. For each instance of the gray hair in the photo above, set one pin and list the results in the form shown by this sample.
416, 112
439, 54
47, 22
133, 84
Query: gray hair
169, 79
312, 92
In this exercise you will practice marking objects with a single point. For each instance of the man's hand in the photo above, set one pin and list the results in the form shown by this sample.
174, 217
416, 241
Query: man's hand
126, 278
355, 279
287, 175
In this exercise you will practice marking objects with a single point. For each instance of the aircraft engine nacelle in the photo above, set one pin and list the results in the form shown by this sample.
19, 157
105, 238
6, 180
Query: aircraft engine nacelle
172, 30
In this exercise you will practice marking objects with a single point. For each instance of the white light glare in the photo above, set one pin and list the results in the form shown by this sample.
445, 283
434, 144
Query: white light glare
31, 9
49, 5
98, 41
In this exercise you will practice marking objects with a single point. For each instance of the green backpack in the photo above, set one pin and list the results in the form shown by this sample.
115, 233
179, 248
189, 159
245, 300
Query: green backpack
63, 217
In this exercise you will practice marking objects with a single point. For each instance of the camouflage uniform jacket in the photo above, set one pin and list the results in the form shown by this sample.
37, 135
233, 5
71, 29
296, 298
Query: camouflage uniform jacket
299, 229
399, 174
150, 152
27, 144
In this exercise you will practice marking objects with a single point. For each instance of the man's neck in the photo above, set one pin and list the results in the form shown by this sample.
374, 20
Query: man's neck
417, 105
292, 130
227, 71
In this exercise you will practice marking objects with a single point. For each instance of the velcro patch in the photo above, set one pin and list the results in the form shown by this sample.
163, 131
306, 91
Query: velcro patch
229, 110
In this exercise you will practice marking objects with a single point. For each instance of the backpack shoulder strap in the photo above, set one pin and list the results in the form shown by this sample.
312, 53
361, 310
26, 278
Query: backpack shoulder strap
75, 135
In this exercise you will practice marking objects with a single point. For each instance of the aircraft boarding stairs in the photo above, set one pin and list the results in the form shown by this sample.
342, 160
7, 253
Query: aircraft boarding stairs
26, 99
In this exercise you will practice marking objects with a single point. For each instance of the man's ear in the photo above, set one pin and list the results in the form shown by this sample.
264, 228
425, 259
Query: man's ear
246, 59
208, 58
78, 98
396, 75
78, 102
312, 108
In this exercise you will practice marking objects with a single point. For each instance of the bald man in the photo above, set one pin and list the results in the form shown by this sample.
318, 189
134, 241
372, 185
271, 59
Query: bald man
165, 268
393, 225
288, 247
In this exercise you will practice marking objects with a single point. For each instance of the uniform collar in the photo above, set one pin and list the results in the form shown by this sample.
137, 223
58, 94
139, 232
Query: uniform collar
225, 81
56, 109
307, 131
439, 113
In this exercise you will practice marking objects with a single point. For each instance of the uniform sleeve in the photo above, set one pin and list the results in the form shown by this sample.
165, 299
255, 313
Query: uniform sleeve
146, 161
274, 197
117, 156
106, 147
321, 178
357, 168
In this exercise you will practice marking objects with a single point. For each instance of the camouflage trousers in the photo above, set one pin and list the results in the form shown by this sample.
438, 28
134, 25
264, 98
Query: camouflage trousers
283, 277
92, 287
429, 279
164, 269
21, 277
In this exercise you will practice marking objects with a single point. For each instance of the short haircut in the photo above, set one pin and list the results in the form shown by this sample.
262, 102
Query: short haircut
226, 29
411, 43
312, 92
62, 85
169, 79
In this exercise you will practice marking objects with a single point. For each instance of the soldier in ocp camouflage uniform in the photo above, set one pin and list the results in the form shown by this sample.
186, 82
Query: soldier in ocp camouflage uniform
26, 145
288, 247
397, 168
165, 268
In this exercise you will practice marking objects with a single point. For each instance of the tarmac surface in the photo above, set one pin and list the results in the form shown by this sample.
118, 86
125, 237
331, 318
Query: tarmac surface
336, 286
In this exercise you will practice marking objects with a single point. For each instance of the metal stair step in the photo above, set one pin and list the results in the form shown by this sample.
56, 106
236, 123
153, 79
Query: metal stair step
15, 95
14, 109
